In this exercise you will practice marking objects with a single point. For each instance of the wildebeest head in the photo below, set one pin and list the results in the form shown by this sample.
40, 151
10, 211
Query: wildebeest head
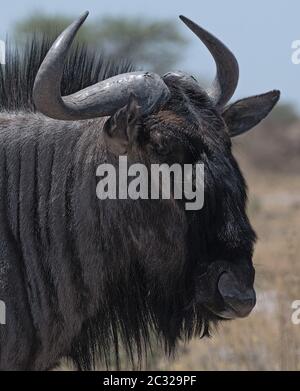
172, 119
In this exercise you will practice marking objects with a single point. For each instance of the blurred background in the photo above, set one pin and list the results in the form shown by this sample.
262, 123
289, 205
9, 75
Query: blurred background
261, 35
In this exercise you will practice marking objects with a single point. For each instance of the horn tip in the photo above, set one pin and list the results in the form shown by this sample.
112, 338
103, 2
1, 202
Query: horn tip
182, 17
189, 23
84, 16
185, 19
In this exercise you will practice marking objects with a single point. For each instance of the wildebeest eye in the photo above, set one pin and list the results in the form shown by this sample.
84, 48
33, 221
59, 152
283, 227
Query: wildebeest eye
161, 149
159, 144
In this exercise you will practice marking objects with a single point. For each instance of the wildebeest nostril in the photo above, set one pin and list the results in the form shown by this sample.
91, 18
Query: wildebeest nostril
235, 295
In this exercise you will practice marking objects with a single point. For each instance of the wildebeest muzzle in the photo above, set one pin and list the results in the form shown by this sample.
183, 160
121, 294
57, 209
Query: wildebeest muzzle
226, 289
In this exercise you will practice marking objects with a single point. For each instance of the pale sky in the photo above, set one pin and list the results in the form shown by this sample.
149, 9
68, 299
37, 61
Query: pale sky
259, 32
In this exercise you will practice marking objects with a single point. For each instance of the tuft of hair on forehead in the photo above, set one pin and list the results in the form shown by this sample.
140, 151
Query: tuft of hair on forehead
85, 66
170, 117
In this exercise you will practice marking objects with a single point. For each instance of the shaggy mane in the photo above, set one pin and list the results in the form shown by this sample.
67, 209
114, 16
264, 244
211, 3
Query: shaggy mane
85, 66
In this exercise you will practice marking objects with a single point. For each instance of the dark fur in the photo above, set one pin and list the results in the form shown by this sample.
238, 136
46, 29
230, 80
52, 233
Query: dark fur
80, 276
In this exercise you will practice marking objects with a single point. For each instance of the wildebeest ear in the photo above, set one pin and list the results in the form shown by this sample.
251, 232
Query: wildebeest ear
246, 113
121, 129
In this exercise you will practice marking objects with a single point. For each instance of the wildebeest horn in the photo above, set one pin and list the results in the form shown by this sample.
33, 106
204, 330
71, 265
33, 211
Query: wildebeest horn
101, 99
227, 76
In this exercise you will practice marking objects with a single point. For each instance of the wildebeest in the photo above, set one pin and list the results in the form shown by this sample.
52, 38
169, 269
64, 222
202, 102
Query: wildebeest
81, 277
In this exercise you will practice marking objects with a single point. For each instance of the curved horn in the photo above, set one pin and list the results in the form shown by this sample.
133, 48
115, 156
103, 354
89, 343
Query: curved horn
101, 99
227, 75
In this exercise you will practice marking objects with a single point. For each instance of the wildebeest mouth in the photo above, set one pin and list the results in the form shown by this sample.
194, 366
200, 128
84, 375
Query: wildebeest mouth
225, 294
